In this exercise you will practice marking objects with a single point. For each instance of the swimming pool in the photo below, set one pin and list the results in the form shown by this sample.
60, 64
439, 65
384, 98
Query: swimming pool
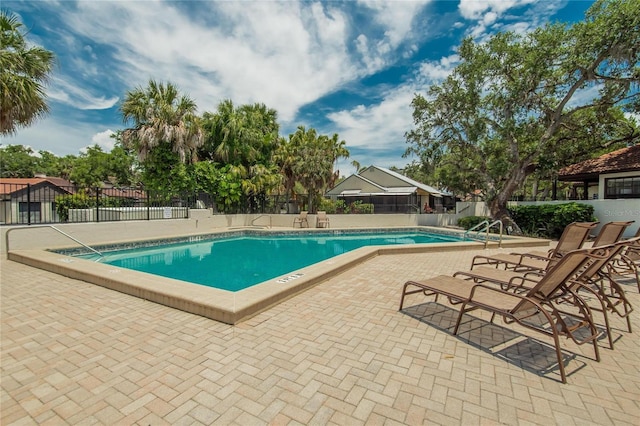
231, 307
245, 260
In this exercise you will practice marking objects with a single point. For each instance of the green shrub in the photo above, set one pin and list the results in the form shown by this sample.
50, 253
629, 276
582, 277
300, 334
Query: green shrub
549, 220
469, 222
358, 207
328, 206
341, 206
74, 201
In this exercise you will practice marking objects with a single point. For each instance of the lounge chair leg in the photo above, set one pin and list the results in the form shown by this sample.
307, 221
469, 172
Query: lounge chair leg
595, 342
608, 327
605, 314
460, 314
600, 297
556, 341
404, 292
563, 375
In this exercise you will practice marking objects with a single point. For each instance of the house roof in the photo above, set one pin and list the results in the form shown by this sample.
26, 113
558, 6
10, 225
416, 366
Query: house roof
32, 181
623, 160
410, 181
11, 185
350, 186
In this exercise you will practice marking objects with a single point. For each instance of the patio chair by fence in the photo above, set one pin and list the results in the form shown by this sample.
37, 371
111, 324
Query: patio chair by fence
322, 220
301, 220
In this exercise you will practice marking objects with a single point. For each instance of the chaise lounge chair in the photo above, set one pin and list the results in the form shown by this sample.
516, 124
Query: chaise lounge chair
539, 301
302, 220
594, 278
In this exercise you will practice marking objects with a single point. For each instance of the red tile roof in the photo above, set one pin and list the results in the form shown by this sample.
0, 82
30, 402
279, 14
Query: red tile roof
622, 160
10, 185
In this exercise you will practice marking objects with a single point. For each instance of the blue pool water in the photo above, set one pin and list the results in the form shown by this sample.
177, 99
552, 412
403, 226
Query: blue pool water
237, 263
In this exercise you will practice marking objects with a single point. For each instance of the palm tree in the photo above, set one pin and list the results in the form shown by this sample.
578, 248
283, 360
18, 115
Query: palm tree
336, 149
241, 135
312, 159
160, 115
357, 165
224, 129
23, 73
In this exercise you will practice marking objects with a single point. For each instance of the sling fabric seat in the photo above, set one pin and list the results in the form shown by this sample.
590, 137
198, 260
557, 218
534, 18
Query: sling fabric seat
302, 220
610, 233
539, 301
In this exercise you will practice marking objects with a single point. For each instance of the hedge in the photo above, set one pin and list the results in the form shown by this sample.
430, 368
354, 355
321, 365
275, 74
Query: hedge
549, 220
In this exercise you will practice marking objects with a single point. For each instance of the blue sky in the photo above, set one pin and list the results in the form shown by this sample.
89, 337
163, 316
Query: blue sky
348, 67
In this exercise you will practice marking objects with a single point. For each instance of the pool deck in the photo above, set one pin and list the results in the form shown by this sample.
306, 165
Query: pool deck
338, 353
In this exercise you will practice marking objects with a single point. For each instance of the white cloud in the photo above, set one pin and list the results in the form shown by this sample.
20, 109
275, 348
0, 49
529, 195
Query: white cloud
381, 127
104, 140
491, 15
397, 21
377, 126
77, 97
436, 71
57, 136
475, 9
284, 54
281, 53
396, 17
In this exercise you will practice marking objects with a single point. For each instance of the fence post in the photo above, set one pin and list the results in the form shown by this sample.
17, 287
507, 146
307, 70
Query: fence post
28, 204
97, 204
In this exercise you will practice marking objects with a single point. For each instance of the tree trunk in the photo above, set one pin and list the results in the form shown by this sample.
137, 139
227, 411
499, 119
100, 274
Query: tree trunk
502, 214
545, 193
498, 205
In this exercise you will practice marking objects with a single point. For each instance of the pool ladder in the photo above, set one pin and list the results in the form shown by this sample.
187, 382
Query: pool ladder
487, 226
6, 236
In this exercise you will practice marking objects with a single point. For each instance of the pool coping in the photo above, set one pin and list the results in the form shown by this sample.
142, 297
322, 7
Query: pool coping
226, 306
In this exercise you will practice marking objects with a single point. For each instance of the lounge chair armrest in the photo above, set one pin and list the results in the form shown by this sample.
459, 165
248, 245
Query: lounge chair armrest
517, 283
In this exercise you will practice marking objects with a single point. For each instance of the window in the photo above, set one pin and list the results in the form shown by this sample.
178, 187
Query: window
29, 209
626, 187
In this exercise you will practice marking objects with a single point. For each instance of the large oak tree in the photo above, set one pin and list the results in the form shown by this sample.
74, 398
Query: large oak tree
518, 101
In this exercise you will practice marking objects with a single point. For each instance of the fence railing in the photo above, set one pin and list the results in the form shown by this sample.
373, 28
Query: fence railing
46, 203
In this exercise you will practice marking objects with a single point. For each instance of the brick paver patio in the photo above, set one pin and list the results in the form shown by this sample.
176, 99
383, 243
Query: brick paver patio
340, 353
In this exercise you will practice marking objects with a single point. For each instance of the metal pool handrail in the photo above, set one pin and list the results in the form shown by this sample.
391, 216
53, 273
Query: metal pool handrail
486, 229
258, 217
6, 237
